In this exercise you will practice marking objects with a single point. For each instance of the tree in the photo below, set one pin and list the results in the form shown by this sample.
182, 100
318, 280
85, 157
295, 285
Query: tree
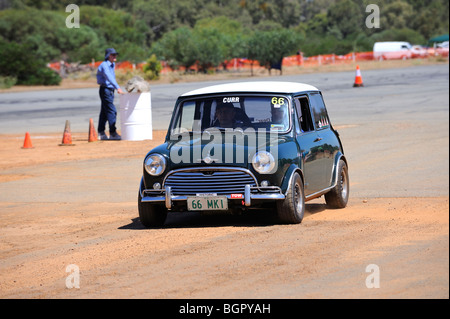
345, 15
396, 15
232, 36
286, 13
177, 48
156, 16
211, 46
318, 25
431, 18
118, 29
270, 47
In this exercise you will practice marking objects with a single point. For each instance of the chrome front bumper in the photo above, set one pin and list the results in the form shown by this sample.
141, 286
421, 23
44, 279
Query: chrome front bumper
251, 193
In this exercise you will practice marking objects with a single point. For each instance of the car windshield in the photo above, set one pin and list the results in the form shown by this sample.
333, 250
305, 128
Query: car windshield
268, 113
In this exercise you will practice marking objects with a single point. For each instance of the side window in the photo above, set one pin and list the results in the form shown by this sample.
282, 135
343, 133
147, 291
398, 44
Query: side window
298, 129
187, 116
319, 111
304, 114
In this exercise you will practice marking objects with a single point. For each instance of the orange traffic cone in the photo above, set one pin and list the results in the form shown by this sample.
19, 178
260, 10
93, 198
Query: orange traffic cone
27, 141
67, 136
358, 78
92, 131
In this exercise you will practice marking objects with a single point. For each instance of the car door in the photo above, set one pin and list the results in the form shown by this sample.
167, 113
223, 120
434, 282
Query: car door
310, 146
328, 141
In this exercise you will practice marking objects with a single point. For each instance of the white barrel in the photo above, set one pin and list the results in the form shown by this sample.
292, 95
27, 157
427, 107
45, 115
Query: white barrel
136, 116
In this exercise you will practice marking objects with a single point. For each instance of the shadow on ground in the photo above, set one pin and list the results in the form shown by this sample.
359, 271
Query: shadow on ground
254, 218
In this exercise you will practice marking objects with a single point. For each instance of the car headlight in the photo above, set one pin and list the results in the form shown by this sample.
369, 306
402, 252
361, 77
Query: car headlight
155, 164
263, 162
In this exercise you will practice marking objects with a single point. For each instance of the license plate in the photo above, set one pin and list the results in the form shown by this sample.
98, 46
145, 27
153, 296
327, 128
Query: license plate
207, 203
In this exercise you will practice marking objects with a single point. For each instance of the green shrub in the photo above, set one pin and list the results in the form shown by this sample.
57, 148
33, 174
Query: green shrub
7, 81
42, 76
19, 61
152, 69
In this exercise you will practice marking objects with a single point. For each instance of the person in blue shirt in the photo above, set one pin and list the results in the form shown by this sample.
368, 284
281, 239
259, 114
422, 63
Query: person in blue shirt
106, 78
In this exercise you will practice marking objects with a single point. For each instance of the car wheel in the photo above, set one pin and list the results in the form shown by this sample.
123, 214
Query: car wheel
151, 215
338, 196
292, 208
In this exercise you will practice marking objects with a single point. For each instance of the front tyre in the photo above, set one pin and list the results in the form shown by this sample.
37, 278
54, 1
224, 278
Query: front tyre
292, 209
151, 215
338, 196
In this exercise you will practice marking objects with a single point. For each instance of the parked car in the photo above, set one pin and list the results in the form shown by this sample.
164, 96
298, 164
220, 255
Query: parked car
443, 45
243, 146
392, 50
418, 51
441, 49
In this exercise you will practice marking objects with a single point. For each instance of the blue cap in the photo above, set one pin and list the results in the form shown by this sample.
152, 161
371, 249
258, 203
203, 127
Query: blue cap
109, 51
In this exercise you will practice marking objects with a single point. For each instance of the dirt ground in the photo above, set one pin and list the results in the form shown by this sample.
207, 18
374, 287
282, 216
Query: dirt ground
331, 254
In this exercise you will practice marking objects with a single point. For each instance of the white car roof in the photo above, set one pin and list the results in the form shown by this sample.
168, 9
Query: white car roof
254, 87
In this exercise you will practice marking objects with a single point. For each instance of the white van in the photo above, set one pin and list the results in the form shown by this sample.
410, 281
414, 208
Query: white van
392, 50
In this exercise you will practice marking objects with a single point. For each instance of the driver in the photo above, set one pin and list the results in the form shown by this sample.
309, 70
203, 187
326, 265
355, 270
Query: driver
279, 116
225, 114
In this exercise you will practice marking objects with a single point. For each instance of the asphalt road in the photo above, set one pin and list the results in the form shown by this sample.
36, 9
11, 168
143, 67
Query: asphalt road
395, 130
425, 89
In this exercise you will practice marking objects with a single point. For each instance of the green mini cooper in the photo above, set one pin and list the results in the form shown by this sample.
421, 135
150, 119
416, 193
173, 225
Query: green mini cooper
241, 146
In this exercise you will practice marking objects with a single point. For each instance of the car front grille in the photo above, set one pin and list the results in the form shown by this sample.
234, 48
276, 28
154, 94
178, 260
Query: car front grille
219, 181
